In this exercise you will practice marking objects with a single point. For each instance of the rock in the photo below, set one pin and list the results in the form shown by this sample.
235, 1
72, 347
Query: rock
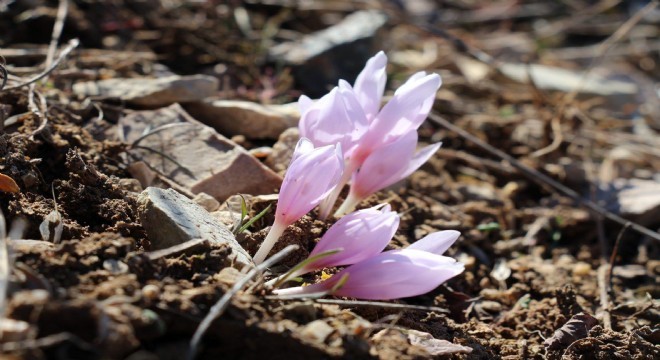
254, 121
152, 92
319, 59
194, 156
280, 157
170, 219
317, 331
208, 202
634, 199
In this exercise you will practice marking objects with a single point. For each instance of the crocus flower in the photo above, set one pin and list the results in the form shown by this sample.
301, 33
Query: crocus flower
359, 236
311, 176
389, 275
337, 117
352, 117
386, 166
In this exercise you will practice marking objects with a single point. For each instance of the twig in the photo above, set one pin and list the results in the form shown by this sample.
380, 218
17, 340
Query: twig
380, 304
222, 304
3, 70
57, 31
543, 179
615, 249
63, 54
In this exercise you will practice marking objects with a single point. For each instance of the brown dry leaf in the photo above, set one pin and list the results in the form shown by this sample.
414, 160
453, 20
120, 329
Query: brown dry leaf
435, 346
7, 184
575, 329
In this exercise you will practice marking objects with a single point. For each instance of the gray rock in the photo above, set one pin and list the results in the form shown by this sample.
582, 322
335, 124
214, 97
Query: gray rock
194, 156
152, 92
319, 59
280, 157
254, 121
171, 219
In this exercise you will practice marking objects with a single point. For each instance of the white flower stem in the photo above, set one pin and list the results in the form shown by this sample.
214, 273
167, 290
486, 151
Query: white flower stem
273, 234
329, 202
349, 205
298, 290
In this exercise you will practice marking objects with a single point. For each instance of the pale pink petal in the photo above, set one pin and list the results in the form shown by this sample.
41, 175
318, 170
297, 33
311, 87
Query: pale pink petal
437, 242
383, 166
370, 84
304, 146
418, 160
311, 176
335, 118
405, 112
390, 275
304, 103
361, 235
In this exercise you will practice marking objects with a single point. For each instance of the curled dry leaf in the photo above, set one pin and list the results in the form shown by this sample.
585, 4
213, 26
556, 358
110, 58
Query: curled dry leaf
435, 346
7, 184
575, 329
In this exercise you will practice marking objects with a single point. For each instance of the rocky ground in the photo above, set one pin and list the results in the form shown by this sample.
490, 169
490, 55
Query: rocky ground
130, 128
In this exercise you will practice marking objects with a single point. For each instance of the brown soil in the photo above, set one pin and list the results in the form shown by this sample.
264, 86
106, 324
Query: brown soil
532, 255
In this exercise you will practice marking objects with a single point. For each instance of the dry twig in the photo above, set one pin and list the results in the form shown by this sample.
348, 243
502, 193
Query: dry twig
222, 304
543, 179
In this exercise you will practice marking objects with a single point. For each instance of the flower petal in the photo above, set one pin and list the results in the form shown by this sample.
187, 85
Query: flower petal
405, 112
370, 84
361, 235
383, 166
391, 275
309, 178
437, 242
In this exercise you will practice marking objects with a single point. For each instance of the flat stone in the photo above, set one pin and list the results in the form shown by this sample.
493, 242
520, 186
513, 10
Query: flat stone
152, 92
171, 219
280, 157
253, 120
194, 156
319, 58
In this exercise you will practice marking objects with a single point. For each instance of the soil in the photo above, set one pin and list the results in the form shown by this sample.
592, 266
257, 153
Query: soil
532, 254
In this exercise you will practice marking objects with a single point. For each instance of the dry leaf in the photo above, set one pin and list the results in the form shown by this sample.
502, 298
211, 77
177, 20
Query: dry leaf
575, 329
435, 346
7, 184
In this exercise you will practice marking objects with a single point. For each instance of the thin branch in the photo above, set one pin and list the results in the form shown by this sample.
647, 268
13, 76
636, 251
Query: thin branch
63, 54
222, 304
57, 30
380, 304
543, 179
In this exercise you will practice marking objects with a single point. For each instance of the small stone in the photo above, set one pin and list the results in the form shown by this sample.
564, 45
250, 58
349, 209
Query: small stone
152, 92
170, 219
317, 331
581, 269
208, 202
253, 120
132, 185
151, 292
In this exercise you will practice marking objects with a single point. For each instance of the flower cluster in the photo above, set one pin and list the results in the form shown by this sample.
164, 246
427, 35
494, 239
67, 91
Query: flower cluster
379, 144
346, 137
358, 240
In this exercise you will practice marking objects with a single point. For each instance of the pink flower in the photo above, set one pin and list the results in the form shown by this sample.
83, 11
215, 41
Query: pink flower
311, 176
404, 113
389, 275
385, 166
359, 235
337, 117
352, 116
437, 242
